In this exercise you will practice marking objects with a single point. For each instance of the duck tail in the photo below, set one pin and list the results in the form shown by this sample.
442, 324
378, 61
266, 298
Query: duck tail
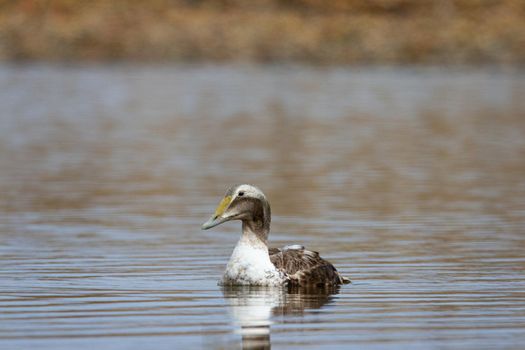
345, 280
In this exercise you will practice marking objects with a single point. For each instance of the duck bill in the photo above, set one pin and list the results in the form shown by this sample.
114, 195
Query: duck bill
213, 221
217, 218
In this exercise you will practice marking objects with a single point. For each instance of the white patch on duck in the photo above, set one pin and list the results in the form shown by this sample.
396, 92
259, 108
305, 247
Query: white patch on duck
251, 265
293, 247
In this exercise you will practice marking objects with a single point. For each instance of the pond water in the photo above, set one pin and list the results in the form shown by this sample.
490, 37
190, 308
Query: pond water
410, 180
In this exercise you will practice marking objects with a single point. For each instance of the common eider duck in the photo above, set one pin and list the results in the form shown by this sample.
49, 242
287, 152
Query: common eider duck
252, 263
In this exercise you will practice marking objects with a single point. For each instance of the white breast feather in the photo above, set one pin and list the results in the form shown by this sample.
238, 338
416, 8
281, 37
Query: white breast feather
251, 265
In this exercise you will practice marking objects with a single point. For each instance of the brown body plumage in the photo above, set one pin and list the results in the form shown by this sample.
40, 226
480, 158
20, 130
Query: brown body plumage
305, 267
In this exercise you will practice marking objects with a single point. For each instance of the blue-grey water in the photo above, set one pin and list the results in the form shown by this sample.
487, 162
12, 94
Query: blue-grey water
411, 181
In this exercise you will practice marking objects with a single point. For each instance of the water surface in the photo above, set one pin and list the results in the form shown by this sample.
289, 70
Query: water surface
411, 181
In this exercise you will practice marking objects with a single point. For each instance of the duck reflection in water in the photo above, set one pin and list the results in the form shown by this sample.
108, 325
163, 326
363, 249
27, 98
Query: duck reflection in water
253, 308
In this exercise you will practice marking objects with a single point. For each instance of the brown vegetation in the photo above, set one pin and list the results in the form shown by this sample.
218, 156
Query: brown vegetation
314, 31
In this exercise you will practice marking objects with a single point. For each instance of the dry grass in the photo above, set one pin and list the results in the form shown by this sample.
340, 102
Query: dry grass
313, 31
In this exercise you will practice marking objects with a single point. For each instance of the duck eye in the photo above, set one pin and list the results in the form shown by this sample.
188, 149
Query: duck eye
241, 194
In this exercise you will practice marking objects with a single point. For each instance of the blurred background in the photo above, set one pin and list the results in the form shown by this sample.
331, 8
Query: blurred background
311, 31
387, 134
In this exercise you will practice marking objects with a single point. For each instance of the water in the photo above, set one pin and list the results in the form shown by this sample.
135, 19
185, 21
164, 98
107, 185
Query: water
411, 181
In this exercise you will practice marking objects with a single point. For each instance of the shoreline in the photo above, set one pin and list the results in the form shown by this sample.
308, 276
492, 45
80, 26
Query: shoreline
309, 33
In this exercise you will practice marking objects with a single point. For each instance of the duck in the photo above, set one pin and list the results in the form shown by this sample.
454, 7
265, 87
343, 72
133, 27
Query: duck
252, 262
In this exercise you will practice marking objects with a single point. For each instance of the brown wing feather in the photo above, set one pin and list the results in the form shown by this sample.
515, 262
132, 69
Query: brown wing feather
305, 267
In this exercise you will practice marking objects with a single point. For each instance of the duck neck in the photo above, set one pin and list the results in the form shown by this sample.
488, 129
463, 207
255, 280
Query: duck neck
254, 235
255, 229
